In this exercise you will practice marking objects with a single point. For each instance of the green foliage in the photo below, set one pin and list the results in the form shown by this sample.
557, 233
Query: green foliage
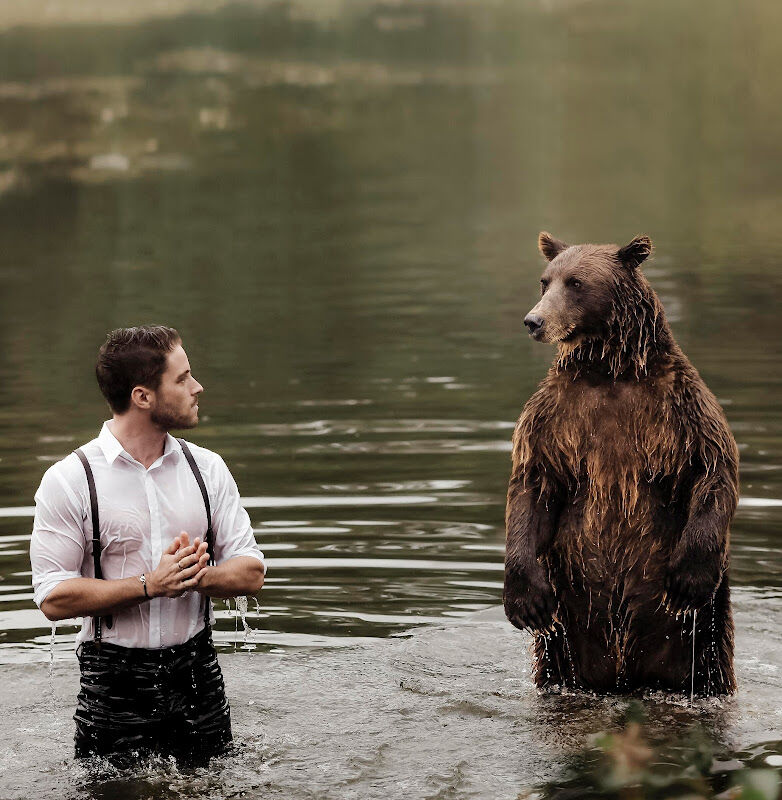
758, 784
626, 765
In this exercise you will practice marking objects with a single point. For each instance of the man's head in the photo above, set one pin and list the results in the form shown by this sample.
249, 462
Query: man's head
145, 370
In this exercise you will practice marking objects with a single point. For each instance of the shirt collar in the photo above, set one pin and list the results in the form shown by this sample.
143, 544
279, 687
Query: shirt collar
112, 448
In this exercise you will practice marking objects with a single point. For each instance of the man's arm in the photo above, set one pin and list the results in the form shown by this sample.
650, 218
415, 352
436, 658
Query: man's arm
91, 597
240, 575
239, 565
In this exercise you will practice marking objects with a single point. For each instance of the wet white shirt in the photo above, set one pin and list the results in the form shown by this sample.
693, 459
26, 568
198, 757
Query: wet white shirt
141, 511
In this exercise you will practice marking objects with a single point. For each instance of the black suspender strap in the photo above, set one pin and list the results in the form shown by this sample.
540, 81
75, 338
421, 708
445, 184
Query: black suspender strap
209, 536
95, 533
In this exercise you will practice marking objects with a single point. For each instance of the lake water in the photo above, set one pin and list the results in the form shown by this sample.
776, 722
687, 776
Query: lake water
337, 205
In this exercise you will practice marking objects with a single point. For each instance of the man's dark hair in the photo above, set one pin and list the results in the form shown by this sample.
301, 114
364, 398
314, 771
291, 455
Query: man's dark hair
133, 357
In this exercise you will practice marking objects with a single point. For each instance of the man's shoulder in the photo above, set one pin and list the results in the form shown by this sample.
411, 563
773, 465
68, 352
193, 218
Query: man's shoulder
70, 466
207, 460
68, 472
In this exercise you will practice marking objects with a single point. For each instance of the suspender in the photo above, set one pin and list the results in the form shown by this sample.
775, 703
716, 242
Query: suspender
95, 534
208, 537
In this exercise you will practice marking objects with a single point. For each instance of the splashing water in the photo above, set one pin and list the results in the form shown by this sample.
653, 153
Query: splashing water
236, 621
545, 656
241, 611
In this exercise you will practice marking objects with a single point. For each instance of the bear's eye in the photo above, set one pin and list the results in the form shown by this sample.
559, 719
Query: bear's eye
543, 285
574, 283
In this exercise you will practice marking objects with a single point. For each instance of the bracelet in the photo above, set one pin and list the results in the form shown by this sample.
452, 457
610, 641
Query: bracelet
143, 579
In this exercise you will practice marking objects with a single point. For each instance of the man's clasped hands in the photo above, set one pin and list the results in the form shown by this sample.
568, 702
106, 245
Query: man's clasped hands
181, 568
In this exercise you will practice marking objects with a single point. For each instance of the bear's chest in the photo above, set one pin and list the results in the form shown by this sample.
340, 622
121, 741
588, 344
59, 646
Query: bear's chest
617, 449
612, 431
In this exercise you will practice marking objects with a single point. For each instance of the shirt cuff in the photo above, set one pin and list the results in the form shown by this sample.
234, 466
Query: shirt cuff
50, 581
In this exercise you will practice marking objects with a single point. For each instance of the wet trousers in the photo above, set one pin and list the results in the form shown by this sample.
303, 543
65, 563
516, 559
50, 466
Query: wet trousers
170, 701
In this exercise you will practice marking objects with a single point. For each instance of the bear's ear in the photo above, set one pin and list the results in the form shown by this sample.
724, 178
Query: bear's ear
549, 246
634, 254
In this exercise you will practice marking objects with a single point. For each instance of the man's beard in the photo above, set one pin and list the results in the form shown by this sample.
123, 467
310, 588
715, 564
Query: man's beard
168, 418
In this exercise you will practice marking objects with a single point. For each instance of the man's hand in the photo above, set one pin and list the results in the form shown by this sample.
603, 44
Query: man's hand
181, 568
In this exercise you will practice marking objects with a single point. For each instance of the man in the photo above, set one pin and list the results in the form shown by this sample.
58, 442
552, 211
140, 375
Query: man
149, 671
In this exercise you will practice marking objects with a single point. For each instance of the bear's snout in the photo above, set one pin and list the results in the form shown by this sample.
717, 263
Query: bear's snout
535, 323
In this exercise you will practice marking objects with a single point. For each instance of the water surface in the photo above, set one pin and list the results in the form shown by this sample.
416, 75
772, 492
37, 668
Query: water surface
338, 209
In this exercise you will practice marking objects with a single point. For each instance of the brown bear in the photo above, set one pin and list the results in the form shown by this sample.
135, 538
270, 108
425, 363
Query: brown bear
624, 482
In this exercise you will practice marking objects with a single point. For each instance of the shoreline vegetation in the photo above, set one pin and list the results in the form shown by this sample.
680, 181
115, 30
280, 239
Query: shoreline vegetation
93, 92
116, 12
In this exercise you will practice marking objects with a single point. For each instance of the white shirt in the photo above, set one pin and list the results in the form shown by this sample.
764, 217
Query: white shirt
141, 511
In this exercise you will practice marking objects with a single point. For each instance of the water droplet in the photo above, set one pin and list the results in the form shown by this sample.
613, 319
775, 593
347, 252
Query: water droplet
51, 658
692, 683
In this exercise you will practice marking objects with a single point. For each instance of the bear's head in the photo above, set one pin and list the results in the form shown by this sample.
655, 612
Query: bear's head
595, 302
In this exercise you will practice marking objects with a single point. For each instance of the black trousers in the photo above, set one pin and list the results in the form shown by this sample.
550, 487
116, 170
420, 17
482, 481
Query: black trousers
170, 701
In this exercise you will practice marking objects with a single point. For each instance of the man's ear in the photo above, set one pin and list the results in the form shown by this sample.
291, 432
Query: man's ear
634, 254
549, 246
140, 397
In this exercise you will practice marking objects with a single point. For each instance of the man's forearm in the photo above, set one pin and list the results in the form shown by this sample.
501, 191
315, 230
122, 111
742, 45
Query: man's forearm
91, 597
240, 575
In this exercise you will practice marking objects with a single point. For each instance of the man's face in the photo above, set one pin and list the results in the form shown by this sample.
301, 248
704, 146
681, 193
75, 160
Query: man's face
176, 399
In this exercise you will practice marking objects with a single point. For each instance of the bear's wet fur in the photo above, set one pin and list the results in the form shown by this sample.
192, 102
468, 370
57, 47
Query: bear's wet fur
624, 482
